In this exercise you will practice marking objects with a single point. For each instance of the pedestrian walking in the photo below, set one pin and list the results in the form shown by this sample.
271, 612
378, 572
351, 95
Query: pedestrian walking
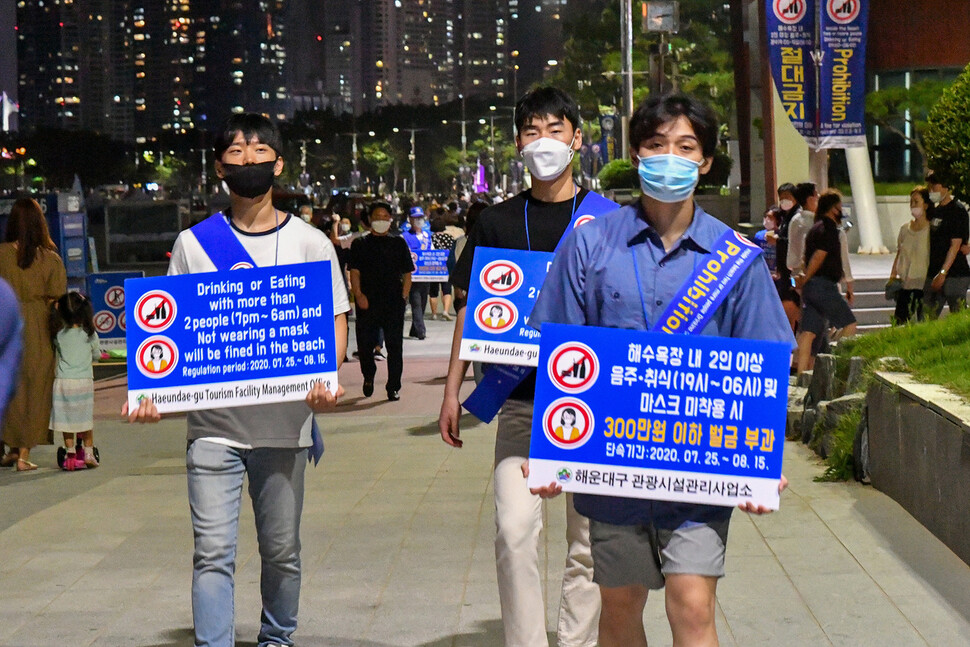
908, 274
266, 444
440, 239
948, 274
640, 255
30, 264
418, 239
72, 413
380, 279
822, 303
548, 136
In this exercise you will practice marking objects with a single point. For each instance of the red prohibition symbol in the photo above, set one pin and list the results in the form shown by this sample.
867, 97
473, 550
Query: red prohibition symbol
496, 315
155, 311
582, 220
501, 278
242, 265
568, 423
573, 367
157, 356
790, 12
842, 12
122, 321
114, 297
104, 321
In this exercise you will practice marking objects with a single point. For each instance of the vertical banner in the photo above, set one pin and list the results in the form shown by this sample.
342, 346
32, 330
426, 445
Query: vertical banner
843, 73
791, 38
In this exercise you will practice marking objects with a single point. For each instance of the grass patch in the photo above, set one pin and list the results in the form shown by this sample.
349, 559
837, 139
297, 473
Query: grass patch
935, 352
843, 436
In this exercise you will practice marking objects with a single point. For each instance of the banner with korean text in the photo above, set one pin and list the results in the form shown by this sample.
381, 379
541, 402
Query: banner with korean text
649, 415
502, 292
791, 39
231, 338
430, 266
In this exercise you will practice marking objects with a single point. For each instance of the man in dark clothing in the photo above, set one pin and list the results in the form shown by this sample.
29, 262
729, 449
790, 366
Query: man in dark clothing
948, 275
380, 278
822, 303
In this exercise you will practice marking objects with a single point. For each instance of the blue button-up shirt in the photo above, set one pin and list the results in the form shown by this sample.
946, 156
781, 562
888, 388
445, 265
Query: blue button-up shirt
593, 281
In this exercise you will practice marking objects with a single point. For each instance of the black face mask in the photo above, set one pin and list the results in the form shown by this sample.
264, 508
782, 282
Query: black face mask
249, 180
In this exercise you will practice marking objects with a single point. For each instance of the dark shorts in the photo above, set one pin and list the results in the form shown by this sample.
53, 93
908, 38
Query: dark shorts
443, 288
644, 554
824, 306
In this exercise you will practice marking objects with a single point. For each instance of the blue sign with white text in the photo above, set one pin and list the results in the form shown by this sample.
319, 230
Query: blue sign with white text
503, 290
106, 290
650, 415
231, 338
430, 265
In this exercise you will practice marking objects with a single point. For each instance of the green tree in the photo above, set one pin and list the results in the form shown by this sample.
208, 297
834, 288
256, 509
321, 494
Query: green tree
892, 108
619, 174
947, 135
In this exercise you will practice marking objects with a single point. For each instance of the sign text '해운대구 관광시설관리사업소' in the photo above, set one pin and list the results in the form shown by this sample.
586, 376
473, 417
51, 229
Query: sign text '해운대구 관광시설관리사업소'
231, 338
649, 415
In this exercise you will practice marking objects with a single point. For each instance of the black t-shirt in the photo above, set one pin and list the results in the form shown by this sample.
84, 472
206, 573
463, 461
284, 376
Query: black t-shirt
382, 261
948, 222
824, 235
503, 226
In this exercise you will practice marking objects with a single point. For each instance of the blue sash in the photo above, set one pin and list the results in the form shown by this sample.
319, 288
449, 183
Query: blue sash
500, 380
690, 310
227, 253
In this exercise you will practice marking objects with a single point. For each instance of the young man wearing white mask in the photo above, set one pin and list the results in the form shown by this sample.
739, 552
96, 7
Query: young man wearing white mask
548, 136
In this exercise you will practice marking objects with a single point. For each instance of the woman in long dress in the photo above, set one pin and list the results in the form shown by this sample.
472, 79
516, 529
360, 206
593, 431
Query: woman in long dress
30, 264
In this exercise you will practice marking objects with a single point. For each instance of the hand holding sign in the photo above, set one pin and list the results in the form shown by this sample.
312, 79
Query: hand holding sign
146, 412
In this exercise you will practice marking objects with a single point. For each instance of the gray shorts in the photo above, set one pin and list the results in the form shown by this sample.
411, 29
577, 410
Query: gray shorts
822, 302
644, 554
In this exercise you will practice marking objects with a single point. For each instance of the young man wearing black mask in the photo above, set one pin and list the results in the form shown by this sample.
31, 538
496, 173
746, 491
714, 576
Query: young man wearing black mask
266, 444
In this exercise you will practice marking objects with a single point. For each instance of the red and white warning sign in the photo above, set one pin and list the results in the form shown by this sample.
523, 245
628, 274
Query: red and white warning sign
790, 12
242, 265
155, 311
501, 278
568, 423
496, 315
122, 321
114, 297
582, 220
157, 356
842, 12
104, 321
573, 367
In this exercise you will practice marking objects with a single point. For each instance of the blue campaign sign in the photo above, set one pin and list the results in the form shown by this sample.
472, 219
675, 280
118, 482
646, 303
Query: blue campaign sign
106, 290
231, 338
503, 289
791, 37
650, 415
843, 73
431, 265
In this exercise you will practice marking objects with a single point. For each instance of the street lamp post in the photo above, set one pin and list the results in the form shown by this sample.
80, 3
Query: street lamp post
626, 67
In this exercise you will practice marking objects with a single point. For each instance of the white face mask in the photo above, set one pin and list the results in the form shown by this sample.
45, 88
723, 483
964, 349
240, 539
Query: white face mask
344, 228
306, 217
380, 226
547, 158
916, 211
936, 196
786, 204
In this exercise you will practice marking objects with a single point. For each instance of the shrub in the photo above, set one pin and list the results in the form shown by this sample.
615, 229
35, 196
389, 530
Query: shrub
947, 135
619, 174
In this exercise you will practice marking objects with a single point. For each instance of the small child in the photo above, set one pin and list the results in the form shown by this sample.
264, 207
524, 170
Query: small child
76, 345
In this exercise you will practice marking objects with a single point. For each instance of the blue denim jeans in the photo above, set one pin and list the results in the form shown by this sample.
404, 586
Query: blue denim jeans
215, 478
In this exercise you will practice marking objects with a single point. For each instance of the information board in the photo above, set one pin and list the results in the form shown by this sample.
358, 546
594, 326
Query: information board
649, 415
503, 290
106, 290
232, 338
430, 265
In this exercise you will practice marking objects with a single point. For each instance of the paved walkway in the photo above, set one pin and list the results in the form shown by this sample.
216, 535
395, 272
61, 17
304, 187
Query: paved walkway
397, 539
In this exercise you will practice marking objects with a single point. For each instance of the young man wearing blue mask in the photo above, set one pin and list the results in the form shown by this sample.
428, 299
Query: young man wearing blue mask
547, 136
639, 544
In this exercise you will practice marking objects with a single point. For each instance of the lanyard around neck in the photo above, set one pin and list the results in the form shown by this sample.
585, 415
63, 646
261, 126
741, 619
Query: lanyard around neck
528, 243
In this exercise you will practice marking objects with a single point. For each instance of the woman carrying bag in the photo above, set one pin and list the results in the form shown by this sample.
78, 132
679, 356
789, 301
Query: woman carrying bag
912, 259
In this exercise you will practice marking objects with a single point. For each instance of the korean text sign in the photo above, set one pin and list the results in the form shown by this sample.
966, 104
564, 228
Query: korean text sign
430, 265
640, 414
503, 289
232, 338
107, 293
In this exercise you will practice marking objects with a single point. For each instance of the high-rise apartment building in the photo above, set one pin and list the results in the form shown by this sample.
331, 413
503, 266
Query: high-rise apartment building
129, 68
486, 64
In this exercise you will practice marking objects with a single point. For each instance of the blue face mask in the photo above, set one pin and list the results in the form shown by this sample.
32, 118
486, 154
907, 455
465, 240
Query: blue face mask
668, 178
